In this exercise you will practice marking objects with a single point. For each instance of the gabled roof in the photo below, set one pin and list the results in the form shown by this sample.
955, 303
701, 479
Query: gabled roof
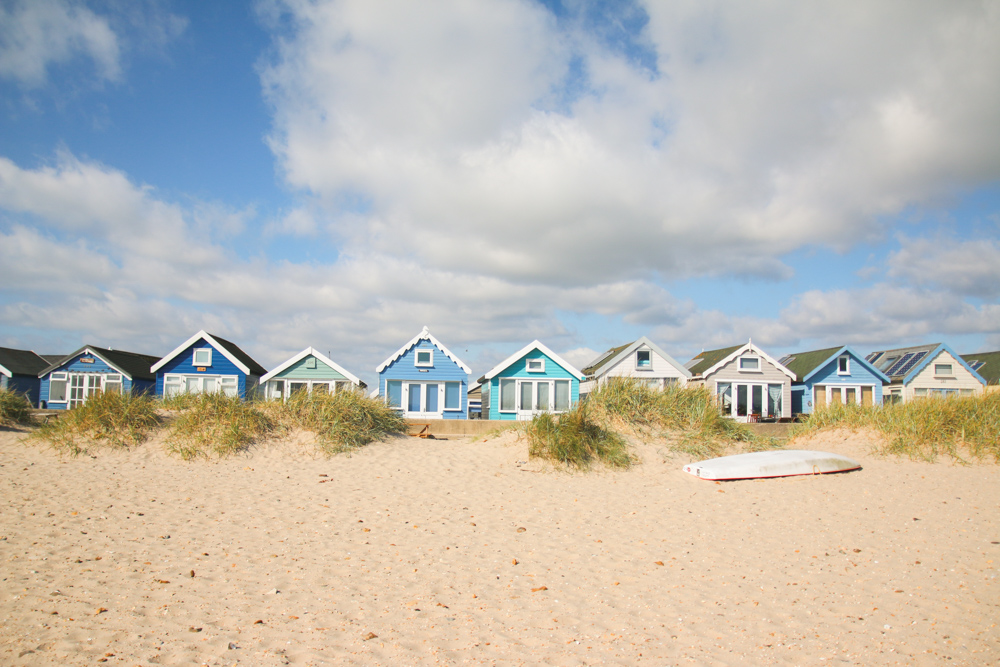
133, 365
230, 351
534, 345
305, 353
423, 335
987, 364
20, 362
901, 368
610, 358
705, 364
806, 364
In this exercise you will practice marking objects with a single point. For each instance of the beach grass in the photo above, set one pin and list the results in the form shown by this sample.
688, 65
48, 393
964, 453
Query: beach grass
687, 417
215, 426
576, 439
108, 419
342, 422
962, 427
15, 409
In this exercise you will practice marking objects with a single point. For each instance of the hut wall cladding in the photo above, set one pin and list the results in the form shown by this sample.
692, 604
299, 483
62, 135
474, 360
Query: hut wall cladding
443, 370
183, 364
768, 373
960, 378
660, 368
519, 370
77, 366
859, 374
300, 371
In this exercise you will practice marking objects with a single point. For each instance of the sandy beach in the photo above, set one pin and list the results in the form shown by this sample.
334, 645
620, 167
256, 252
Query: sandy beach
423, 552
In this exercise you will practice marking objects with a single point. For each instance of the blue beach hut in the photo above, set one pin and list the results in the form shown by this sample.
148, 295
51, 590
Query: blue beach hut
424, 380
206, 364
833, 376
529, 382
90, 370
19, 371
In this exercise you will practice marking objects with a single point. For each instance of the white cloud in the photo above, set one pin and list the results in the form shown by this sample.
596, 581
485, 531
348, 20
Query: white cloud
964, 268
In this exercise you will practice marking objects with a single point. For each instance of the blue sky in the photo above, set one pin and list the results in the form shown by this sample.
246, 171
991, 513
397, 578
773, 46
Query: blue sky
339, 174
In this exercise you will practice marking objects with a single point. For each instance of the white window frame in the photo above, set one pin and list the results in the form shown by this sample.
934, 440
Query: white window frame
534, 365
417, 362
449, 407
422, 413
59, 377
845, 361
508, 382
939, 373
757, 369
194, 357
647, 367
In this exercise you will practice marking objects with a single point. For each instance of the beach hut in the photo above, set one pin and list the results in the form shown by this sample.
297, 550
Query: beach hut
641, 360
923, 371
749, 385
308, 371
71, 380
19, 371
987, 364
475, 395
205, 364
833, 376
424, 380
532, 381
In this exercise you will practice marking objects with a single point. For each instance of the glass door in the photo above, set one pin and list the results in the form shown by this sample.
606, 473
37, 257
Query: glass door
77, 389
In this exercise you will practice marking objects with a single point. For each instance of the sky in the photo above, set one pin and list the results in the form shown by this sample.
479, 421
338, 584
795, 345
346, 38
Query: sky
341, 173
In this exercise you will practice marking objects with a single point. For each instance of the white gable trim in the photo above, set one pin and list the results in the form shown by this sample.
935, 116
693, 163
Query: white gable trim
608, 365
4, 371
749, 347
423, 335
302, 355
535, 345
201, 335
83, 350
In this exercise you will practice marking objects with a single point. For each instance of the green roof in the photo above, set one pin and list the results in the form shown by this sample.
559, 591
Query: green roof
603, 359
804, 363
990, 370
709, 358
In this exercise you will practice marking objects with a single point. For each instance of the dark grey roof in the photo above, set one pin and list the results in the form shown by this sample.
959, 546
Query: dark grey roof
22, 362
133, 364
886, 360
246, 359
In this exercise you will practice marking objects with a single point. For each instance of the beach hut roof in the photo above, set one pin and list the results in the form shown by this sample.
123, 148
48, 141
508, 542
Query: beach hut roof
423, 335
231, 351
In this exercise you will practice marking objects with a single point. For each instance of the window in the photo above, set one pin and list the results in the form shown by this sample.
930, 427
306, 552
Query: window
424, 358
202, 357
749, 364
343, 385
942, 369
774, 402
113, 384
507, 395
535, 365
173, 385
920, 392
394, 393
57, 388
725, 400
452, 395
562, 395
230, 386
276, 389
644, 360
844, 365
311, 362
968, 392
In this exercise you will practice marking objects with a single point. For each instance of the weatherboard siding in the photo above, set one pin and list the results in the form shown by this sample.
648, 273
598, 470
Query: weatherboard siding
74, 365
298, 371
182, 364
827, 376
661, 368
959, 379
443, 370
22, 384
519, 371
768, 374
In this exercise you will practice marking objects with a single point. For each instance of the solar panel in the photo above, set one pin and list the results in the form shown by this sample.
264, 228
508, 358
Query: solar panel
891, 370
976, 365
872, 357
911, 363
785, 359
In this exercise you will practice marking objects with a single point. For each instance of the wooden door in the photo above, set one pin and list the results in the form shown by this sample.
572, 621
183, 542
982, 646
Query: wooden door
819, 397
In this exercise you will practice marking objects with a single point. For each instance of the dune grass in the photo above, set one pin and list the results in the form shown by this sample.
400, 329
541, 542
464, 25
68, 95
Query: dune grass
962, 427
14, 409
342, 422
215, 426
686, 416
575, 439
114, 420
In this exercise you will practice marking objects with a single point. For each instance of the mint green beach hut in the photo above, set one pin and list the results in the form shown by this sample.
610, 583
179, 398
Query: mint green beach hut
308, 371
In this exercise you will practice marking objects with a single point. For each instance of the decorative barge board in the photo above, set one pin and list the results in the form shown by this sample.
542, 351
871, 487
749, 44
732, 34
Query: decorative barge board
19, 371
749, 385
76, 377
641, 360
308, 371
775, 463
424, 380
205, 364
532, 381
834, 376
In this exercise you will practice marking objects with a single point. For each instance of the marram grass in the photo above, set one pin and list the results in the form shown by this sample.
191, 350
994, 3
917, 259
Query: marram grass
962, 427
342, 422
215, 426
107, 419
14, 409
573, 438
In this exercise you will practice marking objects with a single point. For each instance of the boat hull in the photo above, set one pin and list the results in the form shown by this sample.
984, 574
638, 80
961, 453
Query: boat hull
775, 463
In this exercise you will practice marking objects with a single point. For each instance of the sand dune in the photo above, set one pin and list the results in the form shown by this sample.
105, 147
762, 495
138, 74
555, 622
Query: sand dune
416, 552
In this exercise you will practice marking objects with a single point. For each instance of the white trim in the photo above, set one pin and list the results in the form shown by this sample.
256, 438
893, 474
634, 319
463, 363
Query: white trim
540, 365
423, 335
738, 352
201, 335
194, 356
847, 358
755, 369
534, 345
302, 355
648, 367
82, 351
950, 373
416, 358
4, 371
608, 365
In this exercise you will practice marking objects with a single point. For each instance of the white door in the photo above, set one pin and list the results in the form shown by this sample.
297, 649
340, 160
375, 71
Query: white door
533, 397
77, 389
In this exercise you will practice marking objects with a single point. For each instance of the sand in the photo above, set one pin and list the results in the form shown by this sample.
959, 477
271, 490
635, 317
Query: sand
421, 552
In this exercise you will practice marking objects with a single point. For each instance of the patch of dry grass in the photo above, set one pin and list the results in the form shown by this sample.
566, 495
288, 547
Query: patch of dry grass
107, 419
15, 409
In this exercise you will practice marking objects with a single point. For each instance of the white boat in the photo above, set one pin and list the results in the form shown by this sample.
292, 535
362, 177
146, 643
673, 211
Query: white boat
774, 463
